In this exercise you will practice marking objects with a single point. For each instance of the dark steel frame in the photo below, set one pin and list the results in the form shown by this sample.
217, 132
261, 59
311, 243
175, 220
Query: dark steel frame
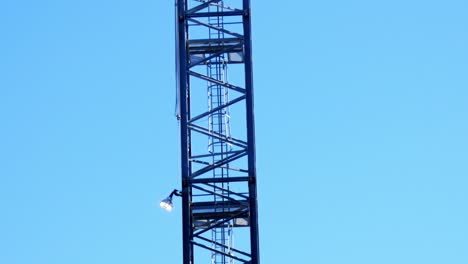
239, 204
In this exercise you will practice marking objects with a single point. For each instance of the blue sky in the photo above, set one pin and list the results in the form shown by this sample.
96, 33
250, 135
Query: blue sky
362, 133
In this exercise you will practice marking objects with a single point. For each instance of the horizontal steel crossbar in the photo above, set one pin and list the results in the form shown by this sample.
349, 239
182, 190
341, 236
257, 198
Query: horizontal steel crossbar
214, 154
219, 180
216, 14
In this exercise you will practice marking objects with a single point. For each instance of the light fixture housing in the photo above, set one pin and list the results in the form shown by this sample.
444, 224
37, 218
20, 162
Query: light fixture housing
167, 203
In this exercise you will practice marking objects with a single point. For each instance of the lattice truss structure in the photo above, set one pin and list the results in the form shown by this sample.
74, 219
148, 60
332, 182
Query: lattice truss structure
219, 196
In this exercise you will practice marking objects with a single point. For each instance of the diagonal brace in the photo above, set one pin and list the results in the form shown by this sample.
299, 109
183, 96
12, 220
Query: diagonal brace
219, 252
224, 84
218, 164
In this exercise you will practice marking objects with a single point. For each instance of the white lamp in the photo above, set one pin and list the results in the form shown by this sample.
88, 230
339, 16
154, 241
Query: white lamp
167, 203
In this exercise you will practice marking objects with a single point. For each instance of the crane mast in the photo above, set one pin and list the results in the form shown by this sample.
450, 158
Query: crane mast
216, 112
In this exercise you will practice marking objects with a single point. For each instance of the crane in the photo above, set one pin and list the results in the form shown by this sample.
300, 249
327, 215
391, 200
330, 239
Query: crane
217, 132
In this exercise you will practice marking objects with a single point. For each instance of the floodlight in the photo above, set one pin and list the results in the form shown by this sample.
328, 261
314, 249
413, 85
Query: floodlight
167, 203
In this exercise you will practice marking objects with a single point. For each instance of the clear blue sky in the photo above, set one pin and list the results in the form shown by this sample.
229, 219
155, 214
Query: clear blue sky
362, 132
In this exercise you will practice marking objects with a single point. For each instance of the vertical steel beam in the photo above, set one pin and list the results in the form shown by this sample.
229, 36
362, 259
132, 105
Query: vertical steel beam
182, 62
254, 240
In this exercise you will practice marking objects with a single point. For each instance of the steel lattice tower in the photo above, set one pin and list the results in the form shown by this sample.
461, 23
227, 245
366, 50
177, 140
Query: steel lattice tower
219, 193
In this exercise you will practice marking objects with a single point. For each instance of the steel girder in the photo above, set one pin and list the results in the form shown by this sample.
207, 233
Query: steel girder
218, 182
